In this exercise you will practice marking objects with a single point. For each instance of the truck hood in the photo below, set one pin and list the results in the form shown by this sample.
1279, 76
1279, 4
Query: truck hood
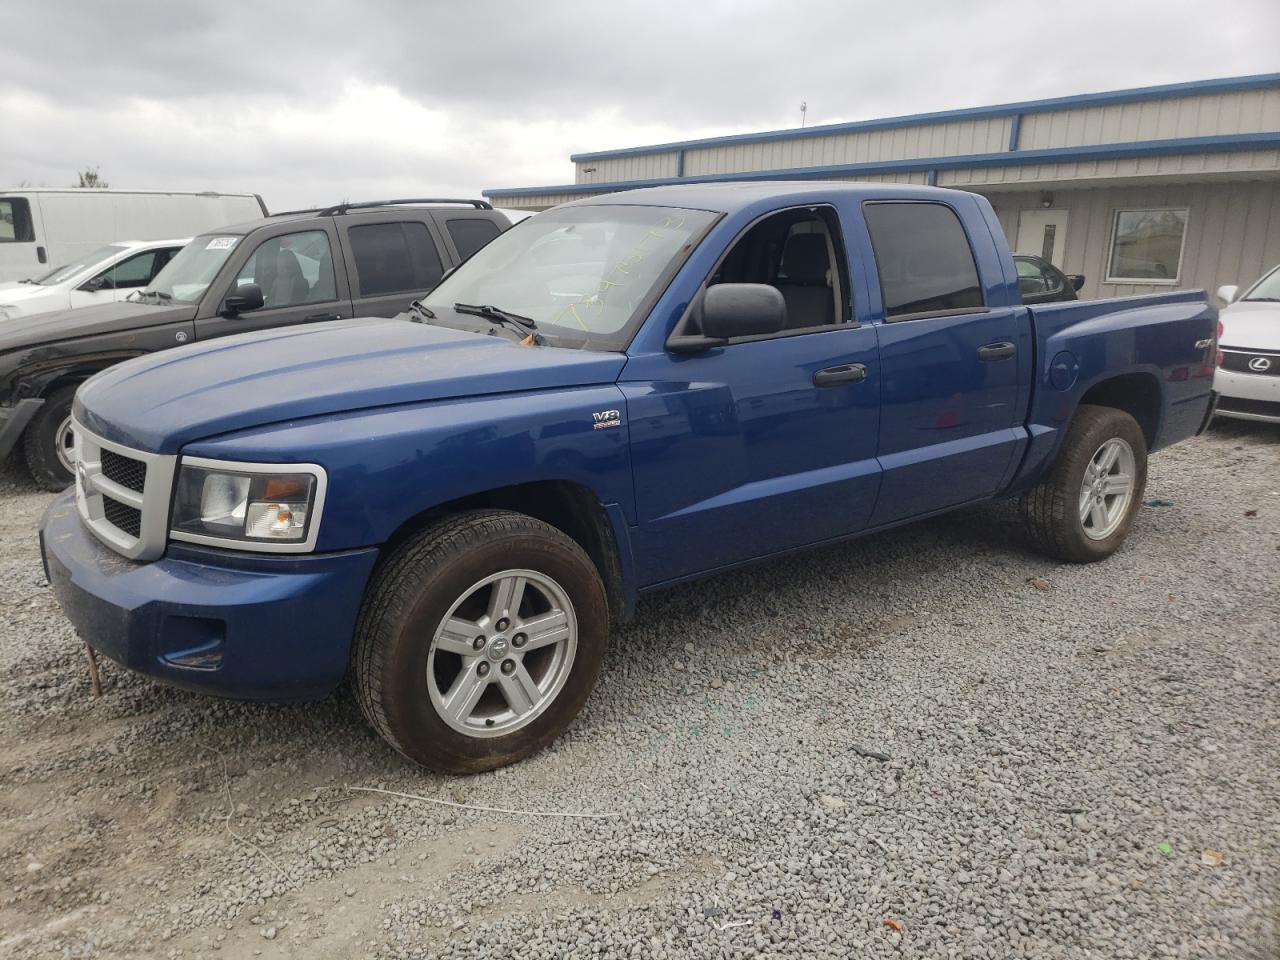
1252, 325
87, 322
162, 401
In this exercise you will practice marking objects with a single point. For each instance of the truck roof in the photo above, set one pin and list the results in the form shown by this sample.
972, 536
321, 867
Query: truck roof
729, 197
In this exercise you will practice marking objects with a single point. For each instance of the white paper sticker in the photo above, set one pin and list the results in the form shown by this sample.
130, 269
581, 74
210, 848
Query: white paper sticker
221, 243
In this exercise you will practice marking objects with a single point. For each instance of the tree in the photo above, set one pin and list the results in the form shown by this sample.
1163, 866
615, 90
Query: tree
89, 178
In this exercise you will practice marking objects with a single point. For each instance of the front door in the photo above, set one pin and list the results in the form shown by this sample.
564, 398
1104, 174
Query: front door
295, 270
1043, 233
765, 444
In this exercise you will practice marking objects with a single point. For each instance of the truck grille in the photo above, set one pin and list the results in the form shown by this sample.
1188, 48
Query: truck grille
123, 516
123, 494
1257, 362
125, 471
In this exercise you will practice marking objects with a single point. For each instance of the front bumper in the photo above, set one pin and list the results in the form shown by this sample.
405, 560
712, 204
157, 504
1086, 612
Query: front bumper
215, 621
1248, 396
13, 420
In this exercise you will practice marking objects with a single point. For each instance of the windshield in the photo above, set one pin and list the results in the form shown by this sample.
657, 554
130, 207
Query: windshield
87, 262
1268, 288
187, 276
581, 273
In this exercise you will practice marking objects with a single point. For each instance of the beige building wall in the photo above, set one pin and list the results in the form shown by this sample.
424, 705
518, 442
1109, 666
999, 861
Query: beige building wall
1232, 233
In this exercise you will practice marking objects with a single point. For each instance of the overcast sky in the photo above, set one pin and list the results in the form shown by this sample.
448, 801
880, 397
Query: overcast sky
319, 101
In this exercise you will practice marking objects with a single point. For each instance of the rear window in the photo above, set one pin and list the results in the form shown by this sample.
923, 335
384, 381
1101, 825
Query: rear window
394, 258
15, 220
923, 258
470, 235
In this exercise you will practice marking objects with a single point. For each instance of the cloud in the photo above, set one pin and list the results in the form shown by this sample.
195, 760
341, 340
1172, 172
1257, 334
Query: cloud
313, 103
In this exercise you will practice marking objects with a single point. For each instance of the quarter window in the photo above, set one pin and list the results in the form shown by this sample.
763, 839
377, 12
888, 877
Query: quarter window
394, 258
1146, 245
469, 235
15, 220
291, 270
923, 258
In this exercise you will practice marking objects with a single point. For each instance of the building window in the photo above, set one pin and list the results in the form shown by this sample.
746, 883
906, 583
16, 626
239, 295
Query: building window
1146, 246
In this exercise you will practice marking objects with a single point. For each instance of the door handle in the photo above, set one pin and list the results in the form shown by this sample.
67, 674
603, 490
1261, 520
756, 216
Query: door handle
41, 255
997, 351
317, 317
845, 373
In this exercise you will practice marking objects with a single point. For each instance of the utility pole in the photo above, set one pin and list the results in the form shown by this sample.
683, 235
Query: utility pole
804, 109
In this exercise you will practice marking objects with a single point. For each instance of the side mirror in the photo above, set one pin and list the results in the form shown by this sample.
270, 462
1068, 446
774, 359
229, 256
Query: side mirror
742, 310
96, 284
1076, 280
1228, 293
248, 296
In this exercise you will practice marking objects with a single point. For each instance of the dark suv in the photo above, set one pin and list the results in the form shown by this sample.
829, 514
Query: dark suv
350, 260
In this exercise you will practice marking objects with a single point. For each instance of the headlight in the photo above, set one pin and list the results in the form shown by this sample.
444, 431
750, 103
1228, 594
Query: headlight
250, 506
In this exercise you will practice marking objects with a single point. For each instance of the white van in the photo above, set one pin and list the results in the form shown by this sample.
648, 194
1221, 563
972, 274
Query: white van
42, 228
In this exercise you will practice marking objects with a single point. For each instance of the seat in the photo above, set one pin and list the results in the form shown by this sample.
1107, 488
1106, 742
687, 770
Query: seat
283, 283
807, 287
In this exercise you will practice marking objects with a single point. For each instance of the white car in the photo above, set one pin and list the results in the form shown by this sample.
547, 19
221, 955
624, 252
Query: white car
109, 273
1248, 378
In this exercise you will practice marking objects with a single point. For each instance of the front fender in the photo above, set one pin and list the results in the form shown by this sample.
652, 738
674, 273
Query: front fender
388, 465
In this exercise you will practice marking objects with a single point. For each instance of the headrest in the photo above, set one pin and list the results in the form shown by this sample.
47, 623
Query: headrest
804, 259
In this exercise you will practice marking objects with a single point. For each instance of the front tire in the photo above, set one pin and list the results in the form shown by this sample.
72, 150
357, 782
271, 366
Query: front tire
479, 641
47, 441
1084, 508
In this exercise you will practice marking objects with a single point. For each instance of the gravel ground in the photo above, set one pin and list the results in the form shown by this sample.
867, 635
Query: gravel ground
928, 743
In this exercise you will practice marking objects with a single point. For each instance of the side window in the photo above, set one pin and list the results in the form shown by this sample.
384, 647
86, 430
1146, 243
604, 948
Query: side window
15, 220
800, 252
137, 271
923, 258
469, 235
394, 258
292, 270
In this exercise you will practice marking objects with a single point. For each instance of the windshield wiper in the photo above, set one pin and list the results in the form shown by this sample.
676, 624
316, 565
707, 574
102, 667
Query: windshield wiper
1263, 299
423, 312
490, 312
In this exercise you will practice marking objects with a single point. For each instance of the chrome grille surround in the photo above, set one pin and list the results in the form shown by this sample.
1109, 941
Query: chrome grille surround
95, 491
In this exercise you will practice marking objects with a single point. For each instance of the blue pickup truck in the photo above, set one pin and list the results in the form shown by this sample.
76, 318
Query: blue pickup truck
451, 507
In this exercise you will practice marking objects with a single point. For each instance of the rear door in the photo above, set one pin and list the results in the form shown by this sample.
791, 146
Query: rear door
390, 261
952, 352
293, 263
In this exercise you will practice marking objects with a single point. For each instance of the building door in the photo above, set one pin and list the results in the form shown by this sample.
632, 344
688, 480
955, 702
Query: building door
1043, 233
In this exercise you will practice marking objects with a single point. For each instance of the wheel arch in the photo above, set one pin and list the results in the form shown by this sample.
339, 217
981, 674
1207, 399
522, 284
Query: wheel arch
1137, 394
570, 507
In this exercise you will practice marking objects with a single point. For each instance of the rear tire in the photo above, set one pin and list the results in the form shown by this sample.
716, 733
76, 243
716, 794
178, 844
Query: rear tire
479, 641
1083, 509
46, 441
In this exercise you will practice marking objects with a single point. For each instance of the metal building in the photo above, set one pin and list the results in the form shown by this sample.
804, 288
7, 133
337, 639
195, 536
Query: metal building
1168, 186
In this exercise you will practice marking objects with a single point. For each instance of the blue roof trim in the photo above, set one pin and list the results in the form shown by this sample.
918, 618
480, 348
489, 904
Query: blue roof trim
1260, 81
1104, 151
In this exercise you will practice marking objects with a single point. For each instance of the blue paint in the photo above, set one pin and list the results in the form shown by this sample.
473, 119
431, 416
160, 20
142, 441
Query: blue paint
679, 163
724, 456
1263, 81
932, 177
1105, 151
1015, 131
